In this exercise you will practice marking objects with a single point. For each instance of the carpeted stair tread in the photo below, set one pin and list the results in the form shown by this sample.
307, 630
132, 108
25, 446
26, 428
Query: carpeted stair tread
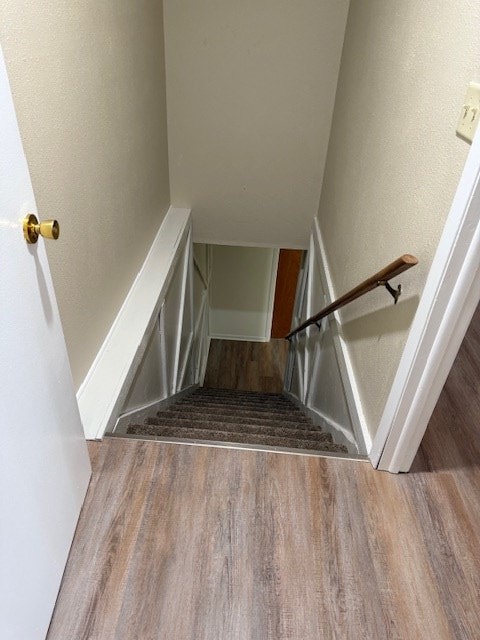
268, 399
238, 402
243, 395
290, 416
232, 437
245, 405
241, 417
267, 420
238, 395
232, 393
274, 431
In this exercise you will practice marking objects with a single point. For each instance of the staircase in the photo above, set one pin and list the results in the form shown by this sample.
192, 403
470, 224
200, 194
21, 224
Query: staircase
242, 417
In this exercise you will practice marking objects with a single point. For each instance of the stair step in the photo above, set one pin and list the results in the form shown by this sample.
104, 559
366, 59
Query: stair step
231, 418
205, 405
292, 431
239, 401
232, 437
289, 416
233, 393
241, 417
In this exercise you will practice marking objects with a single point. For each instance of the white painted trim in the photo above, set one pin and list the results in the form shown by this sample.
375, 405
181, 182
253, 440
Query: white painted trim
140, 414
451, 294
271, 293
163, 349
183, 294
339, 433
300, 372
201, 312
310, 311
229, 336
347, 372
106, 385
260, 245
183, 368
201, 329
189, 352
203, 370
199, 271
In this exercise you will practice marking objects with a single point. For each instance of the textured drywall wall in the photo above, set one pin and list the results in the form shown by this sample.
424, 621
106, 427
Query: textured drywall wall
88, 82
250, 92
241, 292
393, 165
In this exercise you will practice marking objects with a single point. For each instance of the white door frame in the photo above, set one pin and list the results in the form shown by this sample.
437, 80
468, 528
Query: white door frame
450, 297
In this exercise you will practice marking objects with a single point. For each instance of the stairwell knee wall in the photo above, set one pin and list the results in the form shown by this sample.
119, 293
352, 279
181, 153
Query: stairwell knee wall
323, 381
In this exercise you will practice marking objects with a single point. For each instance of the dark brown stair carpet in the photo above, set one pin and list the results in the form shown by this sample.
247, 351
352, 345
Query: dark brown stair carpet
274, 431
230, 421
238, 417
237, 437
219, 411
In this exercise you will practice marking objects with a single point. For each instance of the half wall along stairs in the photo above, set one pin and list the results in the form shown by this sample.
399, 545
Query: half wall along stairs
241, 404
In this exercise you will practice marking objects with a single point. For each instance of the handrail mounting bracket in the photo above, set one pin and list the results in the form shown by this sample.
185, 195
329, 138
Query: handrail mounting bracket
395, 293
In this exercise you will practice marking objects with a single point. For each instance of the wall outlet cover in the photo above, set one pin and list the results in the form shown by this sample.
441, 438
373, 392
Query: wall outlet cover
470, 114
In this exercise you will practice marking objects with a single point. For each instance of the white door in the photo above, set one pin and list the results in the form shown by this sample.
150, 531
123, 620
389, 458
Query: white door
44, 464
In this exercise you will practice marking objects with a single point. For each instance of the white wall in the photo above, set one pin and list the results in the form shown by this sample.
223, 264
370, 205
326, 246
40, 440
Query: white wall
242, 291
88, 81
393, 166
250, 92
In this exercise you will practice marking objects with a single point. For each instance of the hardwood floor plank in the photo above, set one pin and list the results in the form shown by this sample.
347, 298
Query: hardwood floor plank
399, 555
104, 541
452, 549
452, 439
93, 447
201, 543
247, 366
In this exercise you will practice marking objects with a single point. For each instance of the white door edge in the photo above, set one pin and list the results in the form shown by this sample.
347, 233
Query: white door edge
450, 297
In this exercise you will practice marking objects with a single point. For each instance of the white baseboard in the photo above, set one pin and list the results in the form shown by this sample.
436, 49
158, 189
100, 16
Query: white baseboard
140, 414
103, 392
339, 434
347, 373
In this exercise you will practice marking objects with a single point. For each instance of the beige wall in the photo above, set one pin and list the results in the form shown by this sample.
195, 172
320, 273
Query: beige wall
250, 91
241, 292
393, 165
89, 89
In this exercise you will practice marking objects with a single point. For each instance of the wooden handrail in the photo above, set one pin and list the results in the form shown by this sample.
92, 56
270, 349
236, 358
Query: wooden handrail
379, 279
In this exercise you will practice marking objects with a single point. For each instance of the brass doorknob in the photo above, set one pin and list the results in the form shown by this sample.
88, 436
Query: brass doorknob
32, 229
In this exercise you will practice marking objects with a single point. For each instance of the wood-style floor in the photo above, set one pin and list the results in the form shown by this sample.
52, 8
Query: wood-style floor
178, 542
452, 440
247, 366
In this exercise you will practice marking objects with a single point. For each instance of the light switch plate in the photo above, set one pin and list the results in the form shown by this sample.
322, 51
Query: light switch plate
470, 114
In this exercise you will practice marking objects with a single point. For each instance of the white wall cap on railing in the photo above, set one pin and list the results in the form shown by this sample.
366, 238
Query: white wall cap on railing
104, 389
